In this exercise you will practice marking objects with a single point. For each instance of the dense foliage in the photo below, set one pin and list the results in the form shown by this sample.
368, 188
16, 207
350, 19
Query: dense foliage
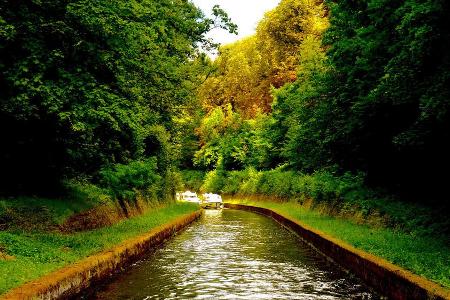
371, 92
383, 108
246, 70
87, 84
229, 142
104, 90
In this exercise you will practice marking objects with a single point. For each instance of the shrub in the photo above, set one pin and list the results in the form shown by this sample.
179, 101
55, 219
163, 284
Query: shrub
345, 192
192, 179
125, 181
321, 186
85, 192
172, 183
250, 182
214, 181
233, 182
276, 183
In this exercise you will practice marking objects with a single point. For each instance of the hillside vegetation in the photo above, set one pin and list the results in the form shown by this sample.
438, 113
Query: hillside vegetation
344, 86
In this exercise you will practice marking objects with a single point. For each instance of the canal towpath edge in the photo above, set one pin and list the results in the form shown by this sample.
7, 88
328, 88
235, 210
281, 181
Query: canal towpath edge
72, 279
385, 277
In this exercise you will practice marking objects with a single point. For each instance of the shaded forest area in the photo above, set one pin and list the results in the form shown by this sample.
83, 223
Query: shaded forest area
115, 97
89, 92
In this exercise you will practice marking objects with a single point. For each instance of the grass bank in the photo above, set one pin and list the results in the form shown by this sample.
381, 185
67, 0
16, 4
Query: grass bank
30, 254
427, 256
38, 214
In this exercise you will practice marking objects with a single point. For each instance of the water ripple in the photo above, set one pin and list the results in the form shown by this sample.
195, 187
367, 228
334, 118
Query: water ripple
235, 255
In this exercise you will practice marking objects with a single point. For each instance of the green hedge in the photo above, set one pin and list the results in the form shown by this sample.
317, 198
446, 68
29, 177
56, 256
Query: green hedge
125, 182
347, 193
321, 186
193, 179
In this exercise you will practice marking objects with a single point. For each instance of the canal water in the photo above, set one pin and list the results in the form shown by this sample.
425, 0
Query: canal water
232, 254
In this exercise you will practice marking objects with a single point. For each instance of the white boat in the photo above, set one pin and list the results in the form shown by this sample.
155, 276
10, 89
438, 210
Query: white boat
188, 196
212, 201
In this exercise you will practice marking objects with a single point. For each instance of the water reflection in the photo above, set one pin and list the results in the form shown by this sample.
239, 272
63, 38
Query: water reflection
233, 254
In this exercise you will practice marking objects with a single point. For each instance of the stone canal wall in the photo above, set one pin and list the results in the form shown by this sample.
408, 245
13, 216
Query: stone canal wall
72, 279
386, 278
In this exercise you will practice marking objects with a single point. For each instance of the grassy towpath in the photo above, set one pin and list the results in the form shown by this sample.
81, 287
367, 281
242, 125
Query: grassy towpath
28, 255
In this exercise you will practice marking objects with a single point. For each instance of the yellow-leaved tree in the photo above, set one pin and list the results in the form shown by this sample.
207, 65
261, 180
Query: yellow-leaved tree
247, 70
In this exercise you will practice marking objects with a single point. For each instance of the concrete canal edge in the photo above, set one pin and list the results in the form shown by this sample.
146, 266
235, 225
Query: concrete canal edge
386, 278
71, 280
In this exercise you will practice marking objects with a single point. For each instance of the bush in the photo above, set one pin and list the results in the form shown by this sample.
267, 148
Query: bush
124, 182
86, 192
321, 186
214, 181
346, 192
172, 183
233, 182
276, 183
192, 179
251, 182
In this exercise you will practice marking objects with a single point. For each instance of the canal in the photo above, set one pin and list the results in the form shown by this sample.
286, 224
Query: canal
231, 254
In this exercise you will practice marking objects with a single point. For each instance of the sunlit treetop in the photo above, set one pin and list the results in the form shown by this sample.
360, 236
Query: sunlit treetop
248, 69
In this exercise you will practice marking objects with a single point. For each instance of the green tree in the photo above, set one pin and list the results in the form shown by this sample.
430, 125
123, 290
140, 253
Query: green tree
383, 105
301, 112
392, 89
229, 142
84, 83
